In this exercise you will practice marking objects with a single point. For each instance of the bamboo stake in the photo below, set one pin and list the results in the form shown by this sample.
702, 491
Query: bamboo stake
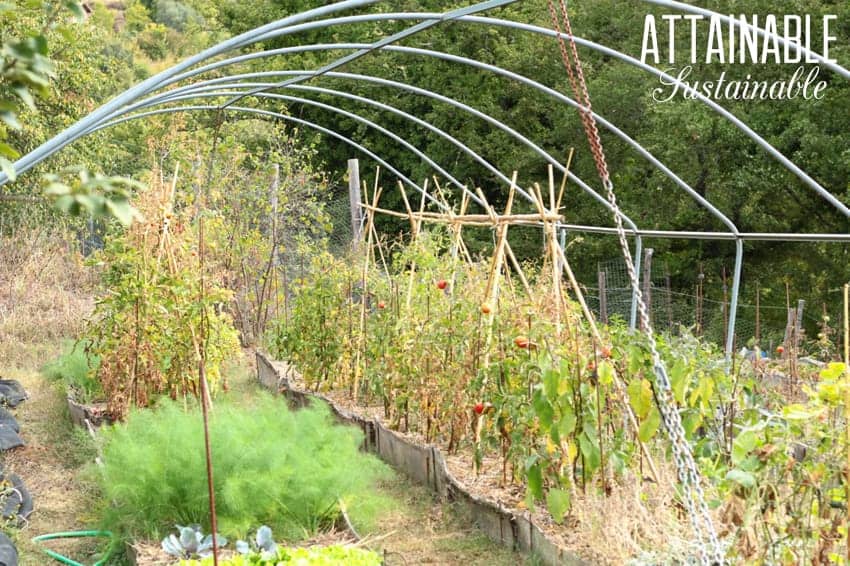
413, 230
416, 225
621, 386
518, 269
407, 206
564, 180
470, 219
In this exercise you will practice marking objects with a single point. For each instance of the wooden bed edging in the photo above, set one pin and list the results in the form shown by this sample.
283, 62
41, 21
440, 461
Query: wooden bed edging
425, 465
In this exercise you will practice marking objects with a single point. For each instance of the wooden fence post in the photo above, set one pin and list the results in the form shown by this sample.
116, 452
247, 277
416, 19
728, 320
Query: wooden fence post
354, 201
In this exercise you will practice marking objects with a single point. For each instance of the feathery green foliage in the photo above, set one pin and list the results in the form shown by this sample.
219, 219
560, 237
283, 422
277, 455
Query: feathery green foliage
76, 369
286, 469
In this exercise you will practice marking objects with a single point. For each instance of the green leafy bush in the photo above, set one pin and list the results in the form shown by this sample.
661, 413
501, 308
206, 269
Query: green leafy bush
325, 556
286, 469
76, 369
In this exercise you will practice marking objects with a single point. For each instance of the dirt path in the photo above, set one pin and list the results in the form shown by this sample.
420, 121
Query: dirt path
419, 529
51, 466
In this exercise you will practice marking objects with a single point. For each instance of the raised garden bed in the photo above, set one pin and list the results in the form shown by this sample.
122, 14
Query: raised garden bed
426, 465
95, 413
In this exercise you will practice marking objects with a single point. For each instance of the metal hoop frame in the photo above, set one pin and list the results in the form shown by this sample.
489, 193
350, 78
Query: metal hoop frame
132, 104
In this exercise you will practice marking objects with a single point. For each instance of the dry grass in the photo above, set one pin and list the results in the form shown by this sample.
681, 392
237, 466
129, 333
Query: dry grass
45, 294
50, 465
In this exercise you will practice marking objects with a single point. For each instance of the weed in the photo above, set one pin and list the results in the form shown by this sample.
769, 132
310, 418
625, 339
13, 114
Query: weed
76, 369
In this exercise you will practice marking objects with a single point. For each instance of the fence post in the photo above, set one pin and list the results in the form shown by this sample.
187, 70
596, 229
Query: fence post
603, 297
354, 201
647, 282
736, 290
700, 281
669, 300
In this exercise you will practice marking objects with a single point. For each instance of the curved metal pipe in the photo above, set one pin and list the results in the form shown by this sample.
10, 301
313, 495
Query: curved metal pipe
213, 90
277, 115
167, 97
280, 28
331, 108
749, 132
477, 64
436, 96
78, 129
381, 43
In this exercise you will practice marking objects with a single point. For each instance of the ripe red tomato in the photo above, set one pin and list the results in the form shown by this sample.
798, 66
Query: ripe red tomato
485, 308
605, 352
780, 350
521, 342
478, 408
442, 284
381, 304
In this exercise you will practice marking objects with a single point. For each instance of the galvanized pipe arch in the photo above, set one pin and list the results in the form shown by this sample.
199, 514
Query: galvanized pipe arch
479, 65
424, 92
738, 123
239, 88
276, 115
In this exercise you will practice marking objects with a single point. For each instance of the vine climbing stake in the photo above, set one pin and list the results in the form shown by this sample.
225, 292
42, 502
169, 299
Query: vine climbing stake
710, 549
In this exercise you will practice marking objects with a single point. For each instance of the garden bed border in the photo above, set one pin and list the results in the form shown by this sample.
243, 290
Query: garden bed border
425, 465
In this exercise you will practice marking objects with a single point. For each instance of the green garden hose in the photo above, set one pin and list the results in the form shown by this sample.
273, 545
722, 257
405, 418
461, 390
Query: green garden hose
75, 534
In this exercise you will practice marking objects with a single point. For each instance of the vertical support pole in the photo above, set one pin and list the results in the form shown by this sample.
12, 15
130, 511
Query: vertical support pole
562, 233
647, 281
669, 298
758, 322
603, 298
799, 321
700, 282
847, 403
736, 289
637, 256
354, 201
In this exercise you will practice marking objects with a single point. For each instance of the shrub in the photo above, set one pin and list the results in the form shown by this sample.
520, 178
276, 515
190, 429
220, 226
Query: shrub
156, 314
286, 469
76, 369
324, 556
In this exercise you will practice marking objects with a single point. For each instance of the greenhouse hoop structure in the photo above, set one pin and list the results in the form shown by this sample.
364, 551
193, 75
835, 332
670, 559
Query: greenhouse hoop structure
152, 96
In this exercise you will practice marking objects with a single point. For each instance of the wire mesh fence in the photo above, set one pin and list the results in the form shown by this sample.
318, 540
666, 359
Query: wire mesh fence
674, 308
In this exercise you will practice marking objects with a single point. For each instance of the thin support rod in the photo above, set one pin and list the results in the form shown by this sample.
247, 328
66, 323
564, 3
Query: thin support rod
638, 259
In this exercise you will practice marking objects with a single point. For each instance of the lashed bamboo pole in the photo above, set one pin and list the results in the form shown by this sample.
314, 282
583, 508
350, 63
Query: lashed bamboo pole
415, 225
470, 219
518, 269
564, 180
621, 387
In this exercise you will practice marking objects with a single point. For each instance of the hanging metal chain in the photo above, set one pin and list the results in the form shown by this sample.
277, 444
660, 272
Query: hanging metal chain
710, 549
